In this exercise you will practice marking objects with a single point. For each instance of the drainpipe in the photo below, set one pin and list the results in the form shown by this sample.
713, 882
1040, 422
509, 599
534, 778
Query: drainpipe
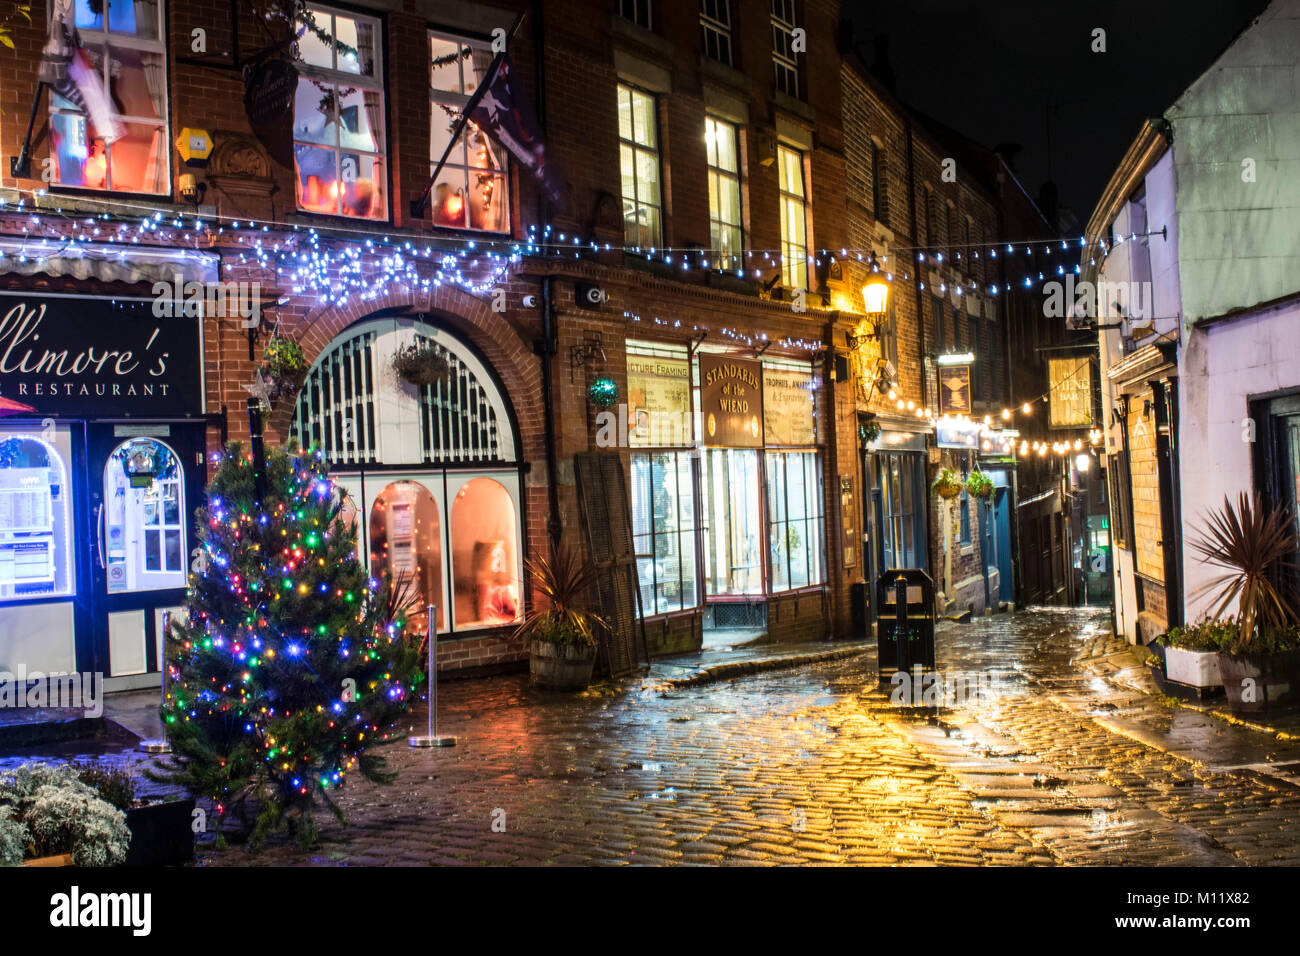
920, 323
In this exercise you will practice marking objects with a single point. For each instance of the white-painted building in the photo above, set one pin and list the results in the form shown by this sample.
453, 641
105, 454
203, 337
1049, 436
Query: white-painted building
1197, 239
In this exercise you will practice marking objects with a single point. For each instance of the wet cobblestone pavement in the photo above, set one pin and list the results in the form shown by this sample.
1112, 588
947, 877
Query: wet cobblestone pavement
1055, 761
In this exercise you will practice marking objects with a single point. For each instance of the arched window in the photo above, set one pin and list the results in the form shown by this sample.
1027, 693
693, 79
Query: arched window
485, 554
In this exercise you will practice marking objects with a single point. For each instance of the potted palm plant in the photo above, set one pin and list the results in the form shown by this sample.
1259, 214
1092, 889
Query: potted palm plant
1260, 662
562, 635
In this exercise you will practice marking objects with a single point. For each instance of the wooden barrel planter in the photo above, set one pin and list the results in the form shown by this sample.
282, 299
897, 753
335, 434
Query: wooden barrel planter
62, 859
560, 666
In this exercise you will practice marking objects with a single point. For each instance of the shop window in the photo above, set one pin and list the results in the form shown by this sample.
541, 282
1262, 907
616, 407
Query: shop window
144, 518
663, 530
722, 149
715, 30
794, 219
472, 190
733, 537
638, 144
484, 555
794, 514
338, 117
406, 543
900, 478
35, 523
785, 67
121, 43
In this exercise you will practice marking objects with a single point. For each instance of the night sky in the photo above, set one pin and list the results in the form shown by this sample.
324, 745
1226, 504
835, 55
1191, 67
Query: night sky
989, 69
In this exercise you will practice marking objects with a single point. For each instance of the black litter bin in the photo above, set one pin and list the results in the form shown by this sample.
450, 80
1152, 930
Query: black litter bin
905, 621
860, 602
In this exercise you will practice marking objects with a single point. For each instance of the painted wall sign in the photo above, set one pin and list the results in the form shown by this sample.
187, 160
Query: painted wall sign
659, 401
1070, 392
788, 407
81, 357
731, 401
954, 390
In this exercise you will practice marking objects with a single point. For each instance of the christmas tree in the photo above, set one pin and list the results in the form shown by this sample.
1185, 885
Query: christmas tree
293, 663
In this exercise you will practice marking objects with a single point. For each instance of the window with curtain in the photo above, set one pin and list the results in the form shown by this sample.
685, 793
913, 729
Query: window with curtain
122, 43
472, 190
794, 520
638, 145
794, 218
715, 30
723, 154
663, 530
338, 116
785, 67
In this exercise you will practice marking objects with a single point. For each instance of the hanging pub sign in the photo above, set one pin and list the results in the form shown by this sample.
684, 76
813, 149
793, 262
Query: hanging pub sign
952, 433
74, 357
269, 89
658, 401
731, 401
954, 389
788, 407
1070, 391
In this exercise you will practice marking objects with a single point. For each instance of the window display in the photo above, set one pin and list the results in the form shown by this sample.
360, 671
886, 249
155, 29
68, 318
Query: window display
485, 555
35, 523
406, 542
794, 514
144, 517
733, 538
663, 530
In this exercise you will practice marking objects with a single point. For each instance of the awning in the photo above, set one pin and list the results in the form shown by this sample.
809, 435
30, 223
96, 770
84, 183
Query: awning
107, 262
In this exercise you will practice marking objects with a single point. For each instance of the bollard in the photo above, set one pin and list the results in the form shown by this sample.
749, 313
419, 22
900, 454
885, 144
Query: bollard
431, 739
161, 745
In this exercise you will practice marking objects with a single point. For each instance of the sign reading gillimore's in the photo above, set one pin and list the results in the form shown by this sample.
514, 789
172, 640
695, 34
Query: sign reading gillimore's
74, 357
731, 401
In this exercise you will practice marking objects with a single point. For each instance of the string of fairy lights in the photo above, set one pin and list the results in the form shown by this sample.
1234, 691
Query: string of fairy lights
349, 263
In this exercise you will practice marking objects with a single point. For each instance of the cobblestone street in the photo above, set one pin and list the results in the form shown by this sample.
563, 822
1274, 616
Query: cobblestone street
1056, 761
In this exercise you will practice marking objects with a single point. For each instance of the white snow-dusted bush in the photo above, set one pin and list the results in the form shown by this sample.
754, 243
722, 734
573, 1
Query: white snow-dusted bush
13, 838
47, 808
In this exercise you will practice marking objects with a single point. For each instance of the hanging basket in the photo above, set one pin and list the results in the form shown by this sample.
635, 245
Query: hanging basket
948, 484
421, 365
979, 485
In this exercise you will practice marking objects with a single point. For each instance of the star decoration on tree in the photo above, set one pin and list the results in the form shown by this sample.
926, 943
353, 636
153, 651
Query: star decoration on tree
260, 389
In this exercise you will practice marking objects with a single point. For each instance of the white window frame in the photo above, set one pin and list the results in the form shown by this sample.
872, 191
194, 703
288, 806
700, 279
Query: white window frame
794, 249
638, 147
715, 31
730, 261
785, 68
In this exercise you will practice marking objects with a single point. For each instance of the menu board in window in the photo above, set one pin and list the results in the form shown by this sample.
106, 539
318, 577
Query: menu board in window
27, 529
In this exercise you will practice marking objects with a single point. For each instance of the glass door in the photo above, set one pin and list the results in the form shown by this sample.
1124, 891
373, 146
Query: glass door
145, 482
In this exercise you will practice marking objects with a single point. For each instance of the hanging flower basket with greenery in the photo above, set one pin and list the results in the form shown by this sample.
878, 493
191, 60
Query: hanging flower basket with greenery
421, 364
979, 485
284, 367
947, 484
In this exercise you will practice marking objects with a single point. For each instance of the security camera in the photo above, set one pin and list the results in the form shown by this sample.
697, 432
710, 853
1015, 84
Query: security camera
530, 301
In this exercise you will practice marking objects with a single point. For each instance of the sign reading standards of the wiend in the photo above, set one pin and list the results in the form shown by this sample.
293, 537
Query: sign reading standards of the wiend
731, 401
97, 357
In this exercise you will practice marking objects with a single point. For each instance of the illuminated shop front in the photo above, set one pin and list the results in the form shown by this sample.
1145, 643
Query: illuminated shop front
101, 467
726, 481
430, 473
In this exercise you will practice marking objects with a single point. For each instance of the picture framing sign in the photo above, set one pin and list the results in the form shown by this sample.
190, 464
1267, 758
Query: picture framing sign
658, 401
954, 390
1070, 391
731, 401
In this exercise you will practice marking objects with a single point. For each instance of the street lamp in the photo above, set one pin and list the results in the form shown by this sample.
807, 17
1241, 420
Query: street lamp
875, 296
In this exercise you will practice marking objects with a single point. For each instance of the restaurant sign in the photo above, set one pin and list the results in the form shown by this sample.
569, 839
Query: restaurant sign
731, 401
98, 357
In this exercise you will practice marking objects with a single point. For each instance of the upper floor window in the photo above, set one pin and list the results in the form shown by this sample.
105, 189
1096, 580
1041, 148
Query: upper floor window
715, 30
122, 42
725, 235
472, 189
784, 65
338, 116
638, 146
794, 219
638, 11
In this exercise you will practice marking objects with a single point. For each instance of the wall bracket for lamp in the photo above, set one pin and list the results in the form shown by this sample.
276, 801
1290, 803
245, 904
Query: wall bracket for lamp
580, 355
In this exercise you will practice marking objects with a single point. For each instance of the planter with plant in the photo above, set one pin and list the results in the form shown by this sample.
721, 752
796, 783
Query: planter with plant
50, 817
562, 635
162, 832
1260, 662
947, 484
1191, 652
979, 485
283, 368
421, 364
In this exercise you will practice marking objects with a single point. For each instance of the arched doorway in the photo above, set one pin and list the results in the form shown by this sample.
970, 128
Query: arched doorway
431, 472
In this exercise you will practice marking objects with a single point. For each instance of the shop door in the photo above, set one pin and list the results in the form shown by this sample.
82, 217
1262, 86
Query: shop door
1002, 521
145, 482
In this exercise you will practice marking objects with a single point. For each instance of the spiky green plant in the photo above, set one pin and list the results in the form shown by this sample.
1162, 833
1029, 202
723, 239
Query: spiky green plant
565, 579
1248, 543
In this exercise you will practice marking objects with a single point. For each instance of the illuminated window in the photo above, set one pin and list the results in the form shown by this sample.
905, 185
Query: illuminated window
794, 520
715, 30
338, 116
406, 543
472, 190
663, 530
144, 518
639, 166
733, 536
126, 52
794, 219
723, 153
784, 65
484, 555
35, 524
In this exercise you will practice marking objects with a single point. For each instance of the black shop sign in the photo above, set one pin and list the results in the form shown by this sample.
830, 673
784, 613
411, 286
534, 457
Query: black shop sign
74, 357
